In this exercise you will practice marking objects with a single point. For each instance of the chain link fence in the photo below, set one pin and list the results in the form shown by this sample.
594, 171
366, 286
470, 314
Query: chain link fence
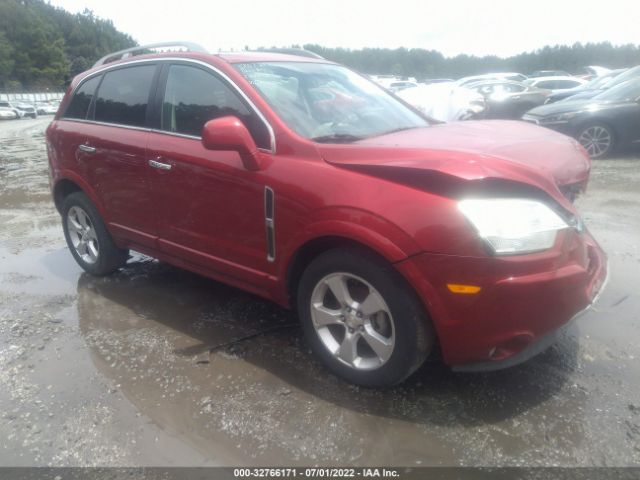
31, 97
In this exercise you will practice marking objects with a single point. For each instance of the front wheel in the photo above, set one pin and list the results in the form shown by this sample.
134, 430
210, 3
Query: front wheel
598, 139
87, 237
361, 318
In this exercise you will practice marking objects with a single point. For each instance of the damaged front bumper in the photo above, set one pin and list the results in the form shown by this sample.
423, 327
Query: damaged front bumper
522, 305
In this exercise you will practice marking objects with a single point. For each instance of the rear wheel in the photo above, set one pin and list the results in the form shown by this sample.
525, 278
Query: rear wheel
87, 237
361, 319
598, 139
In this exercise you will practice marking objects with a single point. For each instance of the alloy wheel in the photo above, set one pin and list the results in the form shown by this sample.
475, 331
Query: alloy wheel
83, 235
596, 140
353, 321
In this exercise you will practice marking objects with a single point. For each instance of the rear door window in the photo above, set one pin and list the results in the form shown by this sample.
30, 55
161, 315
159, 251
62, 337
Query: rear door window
123, 96
79, 105
194, 96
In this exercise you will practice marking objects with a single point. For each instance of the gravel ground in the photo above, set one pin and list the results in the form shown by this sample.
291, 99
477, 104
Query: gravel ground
116, 371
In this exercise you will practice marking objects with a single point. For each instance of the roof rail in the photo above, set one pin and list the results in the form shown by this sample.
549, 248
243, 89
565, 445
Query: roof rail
299, 52
129, 52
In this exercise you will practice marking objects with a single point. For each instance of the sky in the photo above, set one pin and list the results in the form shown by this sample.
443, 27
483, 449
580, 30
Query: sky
477, 27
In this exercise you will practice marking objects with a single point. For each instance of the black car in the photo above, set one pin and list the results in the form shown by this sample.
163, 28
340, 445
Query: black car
588, 90
508, 100
601, 124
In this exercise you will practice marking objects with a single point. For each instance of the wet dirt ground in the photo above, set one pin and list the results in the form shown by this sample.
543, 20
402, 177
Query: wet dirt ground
116, 372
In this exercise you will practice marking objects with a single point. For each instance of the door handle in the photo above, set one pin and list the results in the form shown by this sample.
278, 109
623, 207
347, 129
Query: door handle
86, 148
160, 165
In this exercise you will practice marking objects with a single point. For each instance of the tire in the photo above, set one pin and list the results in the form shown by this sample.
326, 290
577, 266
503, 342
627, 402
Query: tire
87, 237
375, 335
598, 139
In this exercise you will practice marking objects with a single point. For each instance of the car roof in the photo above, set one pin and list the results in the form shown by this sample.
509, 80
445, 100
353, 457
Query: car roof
246, 57
498, 75
226, 57
494, 81
557, 77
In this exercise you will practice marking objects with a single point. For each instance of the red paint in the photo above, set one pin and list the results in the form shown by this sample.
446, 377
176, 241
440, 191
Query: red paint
395, 194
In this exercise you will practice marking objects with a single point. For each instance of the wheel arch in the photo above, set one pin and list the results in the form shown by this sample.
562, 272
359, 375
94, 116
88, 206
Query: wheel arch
62, 189
312, 248
68, 183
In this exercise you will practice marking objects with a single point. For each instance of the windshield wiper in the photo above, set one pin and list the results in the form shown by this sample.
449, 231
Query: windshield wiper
337, 138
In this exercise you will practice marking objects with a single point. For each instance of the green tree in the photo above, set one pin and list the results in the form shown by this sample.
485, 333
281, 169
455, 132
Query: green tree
6, 60
41, 46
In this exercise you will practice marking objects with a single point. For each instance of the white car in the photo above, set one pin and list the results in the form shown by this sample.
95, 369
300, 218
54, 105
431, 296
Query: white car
444, 101
8, 107
555, 84
7, 113
511, 76
47, 108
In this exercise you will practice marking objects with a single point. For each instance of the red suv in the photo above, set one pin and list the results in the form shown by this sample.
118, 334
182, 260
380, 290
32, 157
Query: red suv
303, 182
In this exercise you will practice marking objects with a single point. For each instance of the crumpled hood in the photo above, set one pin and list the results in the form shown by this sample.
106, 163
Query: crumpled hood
474, 150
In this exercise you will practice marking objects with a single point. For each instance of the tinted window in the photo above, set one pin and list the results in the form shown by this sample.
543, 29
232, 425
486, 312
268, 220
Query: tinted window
512, 87
123, 96
566, 84
193, 97
82, 99
551, 84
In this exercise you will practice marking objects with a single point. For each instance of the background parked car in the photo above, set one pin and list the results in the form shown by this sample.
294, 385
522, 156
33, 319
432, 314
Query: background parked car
8, 105
629, 74
601, 124
512, 76
7, 113
47, 108
508, 100
588, 90
23, 109
555, 83
445, 101
592, 71
549, 73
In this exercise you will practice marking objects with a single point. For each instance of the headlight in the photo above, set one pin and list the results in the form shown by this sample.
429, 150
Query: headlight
561, 118
513, 225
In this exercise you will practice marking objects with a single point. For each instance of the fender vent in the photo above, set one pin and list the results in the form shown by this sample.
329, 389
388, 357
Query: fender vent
269, 211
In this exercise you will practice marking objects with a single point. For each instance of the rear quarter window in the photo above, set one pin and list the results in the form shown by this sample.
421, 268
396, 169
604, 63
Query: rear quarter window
123, 96
81, 100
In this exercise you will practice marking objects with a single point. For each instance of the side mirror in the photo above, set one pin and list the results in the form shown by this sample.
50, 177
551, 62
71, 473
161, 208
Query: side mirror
229, 133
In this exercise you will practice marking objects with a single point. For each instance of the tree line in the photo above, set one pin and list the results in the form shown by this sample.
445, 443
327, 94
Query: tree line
42, 46
423, 64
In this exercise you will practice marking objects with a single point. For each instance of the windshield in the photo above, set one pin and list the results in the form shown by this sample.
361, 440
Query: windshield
627, 91
625, 76
328, 103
